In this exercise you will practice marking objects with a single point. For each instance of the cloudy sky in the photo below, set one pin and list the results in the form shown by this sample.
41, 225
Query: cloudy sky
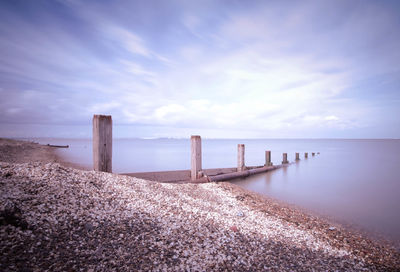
224, 69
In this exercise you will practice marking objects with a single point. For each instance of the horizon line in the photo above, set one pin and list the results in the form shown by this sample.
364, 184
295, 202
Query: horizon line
188, 138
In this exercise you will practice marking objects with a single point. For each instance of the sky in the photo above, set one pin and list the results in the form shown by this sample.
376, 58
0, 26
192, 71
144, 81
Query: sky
219, 69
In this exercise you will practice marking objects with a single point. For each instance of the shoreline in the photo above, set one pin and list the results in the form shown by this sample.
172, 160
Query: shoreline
205, 226
21, 151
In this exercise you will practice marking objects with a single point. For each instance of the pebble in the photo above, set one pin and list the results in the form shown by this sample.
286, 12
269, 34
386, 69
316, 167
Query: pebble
234, 228
240, 214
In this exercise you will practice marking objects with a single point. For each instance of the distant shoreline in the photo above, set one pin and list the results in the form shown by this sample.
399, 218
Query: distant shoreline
21, 151
207, 227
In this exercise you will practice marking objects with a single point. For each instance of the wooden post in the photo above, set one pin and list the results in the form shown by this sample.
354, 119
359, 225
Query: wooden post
268, 158
284, 161
297, 156
102, 143
240, 158
313, 154
306, 155
195, 157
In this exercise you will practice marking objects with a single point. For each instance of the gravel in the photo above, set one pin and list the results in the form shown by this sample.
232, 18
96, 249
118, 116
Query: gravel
54, 217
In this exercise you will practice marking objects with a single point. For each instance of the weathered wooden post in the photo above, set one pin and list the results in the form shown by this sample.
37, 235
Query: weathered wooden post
268, 158
284, 161
306, 155
195, 157
241, 165
313, 154
297, 156
102, 143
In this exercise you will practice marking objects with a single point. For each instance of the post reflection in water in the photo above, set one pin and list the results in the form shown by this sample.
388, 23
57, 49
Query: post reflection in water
267, 178
284, 172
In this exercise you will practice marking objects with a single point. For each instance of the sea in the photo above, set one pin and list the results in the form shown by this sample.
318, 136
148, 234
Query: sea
356, 182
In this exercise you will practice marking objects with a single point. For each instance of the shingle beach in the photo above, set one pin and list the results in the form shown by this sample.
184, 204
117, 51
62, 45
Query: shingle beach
58, 218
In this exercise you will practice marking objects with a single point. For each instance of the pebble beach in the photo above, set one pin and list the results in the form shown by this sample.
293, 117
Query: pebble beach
57, 217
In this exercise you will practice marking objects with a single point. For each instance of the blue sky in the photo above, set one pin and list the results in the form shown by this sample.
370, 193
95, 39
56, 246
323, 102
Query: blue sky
220, 69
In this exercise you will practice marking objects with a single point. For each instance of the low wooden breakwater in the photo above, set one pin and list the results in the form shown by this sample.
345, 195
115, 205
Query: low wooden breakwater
102, 160
208, 175
58, 146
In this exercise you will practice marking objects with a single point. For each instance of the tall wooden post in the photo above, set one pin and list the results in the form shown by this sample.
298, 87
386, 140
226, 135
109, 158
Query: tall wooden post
241, 165
306, 155
268, 158
195, 157
297, 156
102, 143
284, 158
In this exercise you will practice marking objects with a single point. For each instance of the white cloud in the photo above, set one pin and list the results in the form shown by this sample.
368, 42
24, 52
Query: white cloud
331, 118
129, 40
170, 113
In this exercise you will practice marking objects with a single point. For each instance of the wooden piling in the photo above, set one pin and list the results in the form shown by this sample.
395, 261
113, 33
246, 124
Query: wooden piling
241, 164
268, 158
284, 156
297, 156
195, 157
306, 155
102, 143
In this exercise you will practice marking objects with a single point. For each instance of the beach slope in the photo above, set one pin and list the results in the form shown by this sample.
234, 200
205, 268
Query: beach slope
54, 217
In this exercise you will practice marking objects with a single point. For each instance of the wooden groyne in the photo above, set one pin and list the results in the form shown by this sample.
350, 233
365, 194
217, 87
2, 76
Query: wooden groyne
102, 160
208, 175
181, 175
58, 146
242, 174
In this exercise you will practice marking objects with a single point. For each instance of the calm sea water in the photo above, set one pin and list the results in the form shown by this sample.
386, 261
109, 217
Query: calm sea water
355, 181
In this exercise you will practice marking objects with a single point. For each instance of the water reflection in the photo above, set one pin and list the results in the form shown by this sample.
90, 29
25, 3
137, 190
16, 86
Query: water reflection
284, 171
344, 181
267, 179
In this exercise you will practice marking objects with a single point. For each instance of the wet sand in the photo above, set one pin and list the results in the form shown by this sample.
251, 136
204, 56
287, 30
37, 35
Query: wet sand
54, 216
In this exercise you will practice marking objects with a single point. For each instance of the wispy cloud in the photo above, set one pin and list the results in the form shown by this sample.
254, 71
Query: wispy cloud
128, 40
269, 68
